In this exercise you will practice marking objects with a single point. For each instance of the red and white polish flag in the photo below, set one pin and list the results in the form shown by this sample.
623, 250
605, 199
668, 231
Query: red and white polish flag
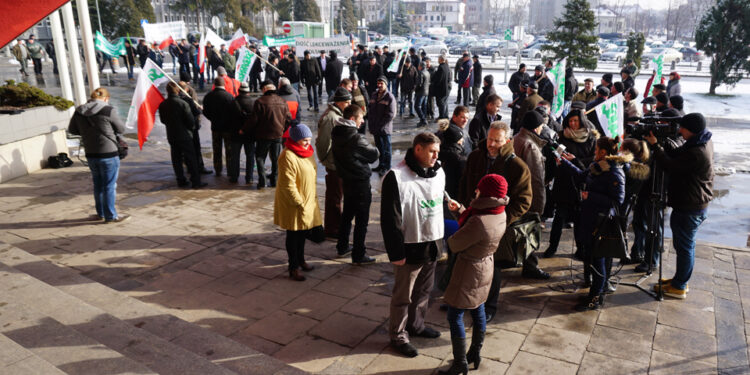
238, 40
146, 100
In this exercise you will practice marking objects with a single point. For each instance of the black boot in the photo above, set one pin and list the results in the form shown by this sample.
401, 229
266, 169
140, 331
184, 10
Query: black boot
477, 340
591, 303
459, 365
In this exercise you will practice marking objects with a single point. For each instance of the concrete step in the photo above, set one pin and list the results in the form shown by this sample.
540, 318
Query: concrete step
17, 360
141, 332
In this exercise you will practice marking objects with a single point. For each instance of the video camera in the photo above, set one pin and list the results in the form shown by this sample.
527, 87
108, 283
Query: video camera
556, 149
662, 127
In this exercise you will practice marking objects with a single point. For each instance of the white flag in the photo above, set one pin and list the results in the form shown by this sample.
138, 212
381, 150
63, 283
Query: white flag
146, 100
244, 63
557, 76
611, 116
395, 65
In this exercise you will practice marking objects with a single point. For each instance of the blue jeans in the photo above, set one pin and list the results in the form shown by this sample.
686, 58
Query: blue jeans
383, 143
406, 100
598, 276
104, 173
420, 106
456, 320
296, 86
393, 86
684, 226
312, 95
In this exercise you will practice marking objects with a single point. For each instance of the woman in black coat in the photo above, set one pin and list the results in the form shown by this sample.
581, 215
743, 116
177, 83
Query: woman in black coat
579, 138
604, 190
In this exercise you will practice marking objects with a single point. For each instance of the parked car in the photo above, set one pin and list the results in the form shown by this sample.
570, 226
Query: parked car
508, 48
670, 54
431, 47
535, 52
396, 43
691, 54
458, 49
615, 54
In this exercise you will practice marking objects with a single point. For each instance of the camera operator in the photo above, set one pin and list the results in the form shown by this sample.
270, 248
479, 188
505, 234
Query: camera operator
689, 190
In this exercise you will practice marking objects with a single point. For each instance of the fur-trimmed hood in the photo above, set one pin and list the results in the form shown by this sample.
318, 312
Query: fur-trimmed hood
610, 162
638, 171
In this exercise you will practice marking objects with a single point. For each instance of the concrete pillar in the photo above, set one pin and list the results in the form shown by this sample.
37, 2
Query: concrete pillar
58, 39
88, 44
79, 89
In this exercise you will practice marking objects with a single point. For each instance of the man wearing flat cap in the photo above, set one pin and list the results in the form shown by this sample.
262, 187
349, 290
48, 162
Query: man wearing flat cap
382, 110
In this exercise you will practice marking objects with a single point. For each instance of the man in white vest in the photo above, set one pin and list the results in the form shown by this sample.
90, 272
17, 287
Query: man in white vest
411, 219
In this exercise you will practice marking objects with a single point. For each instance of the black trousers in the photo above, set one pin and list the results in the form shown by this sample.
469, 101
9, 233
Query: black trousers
442, 104
221, 141
357, 199
295, 248
197, 147
184, 151
37, 65
263, 148
233, 164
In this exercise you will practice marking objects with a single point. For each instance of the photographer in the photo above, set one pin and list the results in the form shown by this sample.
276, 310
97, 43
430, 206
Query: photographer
689, 190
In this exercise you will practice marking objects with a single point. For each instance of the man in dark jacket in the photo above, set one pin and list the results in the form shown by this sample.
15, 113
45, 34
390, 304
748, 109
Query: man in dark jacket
477, 80
372, 73
420, 93
408, 80
184, 57
441, 87
388, 58
272, 70
481, 122
322, 61
218, 107
176, 115
191, 98
689, 191
411, 228
488, 89
531, 101
311, 77
332, 73
431, 69
291, 70
353, 155
571, 86
602, 93
627, 79
516, 79
243, 107
142, 50
465, 78
495, 155
606, 81
268, 121
382, 110
546, 87
255, 73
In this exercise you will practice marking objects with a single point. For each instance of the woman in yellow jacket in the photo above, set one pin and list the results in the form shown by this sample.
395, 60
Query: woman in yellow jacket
296, 204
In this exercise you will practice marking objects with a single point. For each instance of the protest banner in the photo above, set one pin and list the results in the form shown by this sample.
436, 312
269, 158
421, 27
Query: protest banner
340, 44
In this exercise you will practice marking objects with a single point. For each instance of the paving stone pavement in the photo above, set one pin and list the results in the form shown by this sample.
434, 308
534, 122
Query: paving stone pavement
213, 258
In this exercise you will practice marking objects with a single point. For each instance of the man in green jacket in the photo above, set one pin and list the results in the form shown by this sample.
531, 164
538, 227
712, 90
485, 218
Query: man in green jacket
21, 54
36, 52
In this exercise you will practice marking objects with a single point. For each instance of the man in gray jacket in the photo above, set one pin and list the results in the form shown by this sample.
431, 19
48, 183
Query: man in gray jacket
334, 191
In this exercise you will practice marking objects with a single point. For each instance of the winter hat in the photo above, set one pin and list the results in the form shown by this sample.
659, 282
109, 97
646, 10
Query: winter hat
662, 98
532, 120
533, 85
607, 77
299, 131
675, 74
578, 105
493, 185
695, 122
341, 95
539, 68
660, 87
603, 91
525, 83
221, 71
382, 78
649, 100
677, 101
244, 87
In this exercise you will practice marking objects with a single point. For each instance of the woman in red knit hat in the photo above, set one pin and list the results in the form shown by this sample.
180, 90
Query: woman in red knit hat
481, 227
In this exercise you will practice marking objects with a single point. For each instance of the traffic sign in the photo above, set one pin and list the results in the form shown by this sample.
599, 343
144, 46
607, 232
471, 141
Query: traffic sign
287, 28
215, 22
508, 34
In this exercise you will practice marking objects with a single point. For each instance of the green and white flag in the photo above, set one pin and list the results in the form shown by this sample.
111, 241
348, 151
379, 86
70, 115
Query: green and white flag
283, 41
244, 63
395, 65
101, 43
557, 76
657, 64
611, 116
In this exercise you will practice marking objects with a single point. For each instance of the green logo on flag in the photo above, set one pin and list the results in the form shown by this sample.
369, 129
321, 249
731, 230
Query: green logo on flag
610, 112
153, 75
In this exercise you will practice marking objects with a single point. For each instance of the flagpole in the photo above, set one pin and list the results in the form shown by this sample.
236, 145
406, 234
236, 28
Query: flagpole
171, 80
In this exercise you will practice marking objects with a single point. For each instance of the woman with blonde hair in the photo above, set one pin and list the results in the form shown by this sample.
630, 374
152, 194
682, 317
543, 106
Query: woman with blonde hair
296, 203
98, 125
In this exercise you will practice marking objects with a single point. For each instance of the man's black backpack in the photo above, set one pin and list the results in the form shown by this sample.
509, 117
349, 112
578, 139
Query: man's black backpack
60, 160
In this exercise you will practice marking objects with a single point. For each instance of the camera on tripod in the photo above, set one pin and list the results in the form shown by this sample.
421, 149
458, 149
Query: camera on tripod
662, 127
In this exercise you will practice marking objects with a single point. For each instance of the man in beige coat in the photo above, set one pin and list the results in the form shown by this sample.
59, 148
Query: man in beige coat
528, 146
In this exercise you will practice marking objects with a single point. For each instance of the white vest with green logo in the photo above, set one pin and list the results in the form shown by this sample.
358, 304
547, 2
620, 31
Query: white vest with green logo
421, 204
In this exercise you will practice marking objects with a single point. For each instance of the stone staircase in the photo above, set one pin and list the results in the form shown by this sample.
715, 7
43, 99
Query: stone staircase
55, 321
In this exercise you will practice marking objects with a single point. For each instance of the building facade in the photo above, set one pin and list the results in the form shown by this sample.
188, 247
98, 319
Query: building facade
436, 13
542, 14
478, 15
164, 13
609, 22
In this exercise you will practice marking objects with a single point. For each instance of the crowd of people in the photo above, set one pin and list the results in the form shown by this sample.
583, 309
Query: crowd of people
457, 189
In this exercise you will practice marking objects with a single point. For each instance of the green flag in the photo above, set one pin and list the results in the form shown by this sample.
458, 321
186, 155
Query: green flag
102, 44
244, 63
283, 41
658, 65
611, 116
557, 76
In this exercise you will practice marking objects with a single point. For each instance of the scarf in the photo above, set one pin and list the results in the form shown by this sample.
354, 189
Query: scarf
471, 211
578, 136
297, 149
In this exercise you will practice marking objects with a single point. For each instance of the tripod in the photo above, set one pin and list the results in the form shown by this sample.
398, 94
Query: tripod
658, 199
